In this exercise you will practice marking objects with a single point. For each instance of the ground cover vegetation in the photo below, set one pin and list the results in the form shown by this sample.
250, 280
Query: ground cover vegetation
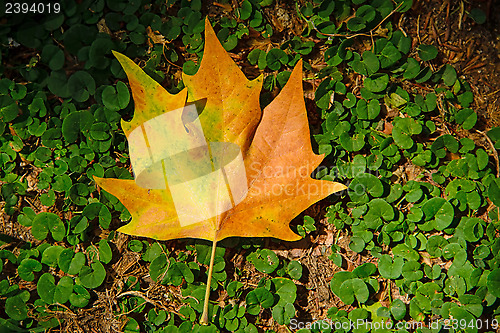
397, 103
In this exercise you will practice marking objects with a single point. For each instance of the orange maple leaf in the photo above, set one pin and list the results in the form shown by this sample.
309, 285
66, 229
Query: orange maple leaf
229, 170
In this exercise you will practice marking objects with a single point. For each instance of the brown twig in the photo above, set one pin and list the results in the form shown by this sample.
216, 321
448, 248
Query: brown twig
369, 34
418, 29
148, 300
448, 27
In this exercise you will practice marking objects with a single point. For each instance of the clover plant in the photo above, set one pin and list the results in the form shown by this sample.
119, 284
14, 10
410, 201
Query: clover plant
396, 123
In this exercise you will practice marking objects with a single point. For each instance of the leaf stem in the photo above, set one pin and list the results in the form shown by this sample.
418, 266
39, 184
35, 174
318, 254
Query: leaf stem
204, 316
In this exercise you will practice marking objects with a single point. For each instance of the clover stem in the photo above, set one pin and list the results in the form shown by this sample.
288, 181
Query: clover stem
204, 316
389, 290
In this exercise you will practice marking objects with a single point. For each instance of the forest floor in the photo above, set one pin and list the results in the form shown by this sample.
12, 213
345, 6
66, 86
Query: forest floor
473, 50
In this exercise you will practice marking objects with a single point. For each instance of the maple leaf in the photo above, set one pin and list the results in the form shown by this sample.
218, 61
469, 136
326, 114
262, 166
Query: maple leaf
208, 163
